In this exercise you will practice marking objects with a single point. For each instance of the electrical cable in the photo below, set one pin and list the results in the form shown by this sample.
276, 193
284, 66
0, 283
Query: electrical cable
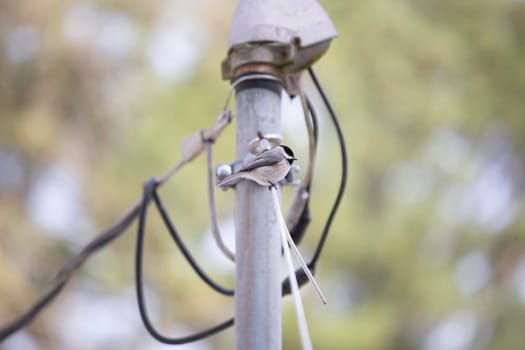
33, 311
344, 171
211, 203
182, 247
67, 270
149, 192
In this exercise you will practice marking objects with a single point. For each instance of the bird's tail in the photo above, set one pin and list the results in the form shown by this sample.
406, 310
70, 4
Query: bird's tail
231, 180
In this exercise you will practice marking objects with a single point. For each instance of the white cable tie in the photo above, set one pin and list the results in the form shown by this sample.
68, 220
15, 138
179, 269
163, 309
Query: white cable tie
299, 309
299, 257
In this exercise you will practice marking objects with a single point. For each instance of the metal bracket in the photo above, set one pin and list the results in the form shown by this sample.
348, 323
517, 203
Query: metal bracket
275, 54
287, 58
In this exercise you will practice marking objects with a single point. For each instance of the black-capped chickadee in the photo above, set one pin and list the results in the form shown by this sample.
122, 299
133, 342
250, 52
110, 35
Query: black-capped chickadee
266, 169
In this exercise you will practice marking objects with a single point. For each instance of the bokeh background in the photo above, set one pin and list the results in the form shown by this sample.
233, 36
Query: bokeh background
427, 251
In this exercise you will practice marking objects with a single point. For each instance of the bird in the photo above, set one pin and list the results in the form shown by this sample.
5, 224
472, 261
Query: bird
266, 169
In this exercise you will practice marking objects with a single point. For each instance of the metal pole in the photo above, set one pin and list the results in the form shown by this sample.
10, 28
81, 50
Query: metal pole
280, 37
258, 245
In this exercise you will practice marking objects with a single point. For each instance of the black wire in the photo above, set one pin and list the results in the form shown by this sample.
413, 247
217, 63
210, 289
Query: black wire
149, 191
298, 231
344, 171
30, 314
173, 232
65, 273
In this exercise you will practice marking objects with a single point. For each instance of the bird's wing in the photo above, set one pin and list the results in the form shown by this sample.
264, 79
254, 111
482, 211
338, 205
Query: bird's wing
264, 159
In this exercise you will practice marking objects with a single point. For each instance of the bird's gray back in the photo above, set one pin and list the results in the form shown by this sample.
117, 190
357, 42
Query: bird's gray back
265, 159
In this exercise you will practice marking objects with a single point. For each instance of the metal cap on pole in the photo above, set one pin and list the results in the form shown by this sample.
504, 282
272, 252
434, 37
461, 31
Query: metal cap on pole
290, 34
269, 41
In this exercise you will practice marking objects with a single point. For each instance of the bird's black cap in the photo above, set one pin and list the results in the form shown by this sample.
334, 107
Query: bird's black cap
289, 152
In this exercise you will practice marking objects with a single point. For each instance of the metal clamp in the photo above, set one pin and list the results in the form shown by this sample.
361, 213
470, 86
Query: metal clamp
271, 53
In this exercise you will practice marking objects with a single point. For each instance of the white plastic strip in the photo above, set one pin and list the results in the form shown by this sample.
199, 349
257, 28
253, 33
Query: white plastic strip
299, 310
296, 251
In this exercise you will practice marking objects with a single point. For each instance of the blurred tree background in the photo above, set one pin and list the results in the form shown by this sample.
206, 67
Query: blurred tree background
427, 251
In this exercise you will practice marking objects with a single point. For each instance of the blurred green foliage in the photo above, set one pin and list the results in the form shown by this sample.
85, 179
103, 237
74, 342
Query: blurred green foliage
427, 251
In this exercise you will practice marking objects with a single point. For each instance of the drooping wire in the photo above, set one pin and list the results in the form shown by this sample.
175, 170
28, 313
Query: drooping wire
33, 311
344, 170
149, 192
211, 203
65, 273
182, 247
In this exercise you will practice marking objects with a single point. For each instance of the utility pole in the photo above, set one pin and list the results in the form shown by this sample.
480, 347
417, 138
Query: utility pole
269, 41
258, 281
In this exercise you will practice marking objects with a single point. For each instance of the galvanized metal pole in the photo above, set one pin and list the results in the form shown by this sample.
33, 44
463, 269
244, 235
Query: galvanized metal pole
281, 38
258, 245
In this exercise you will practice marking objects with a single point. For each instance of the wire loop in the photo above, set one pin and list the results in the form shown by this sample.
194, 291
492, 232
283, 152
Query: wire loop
149, 192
